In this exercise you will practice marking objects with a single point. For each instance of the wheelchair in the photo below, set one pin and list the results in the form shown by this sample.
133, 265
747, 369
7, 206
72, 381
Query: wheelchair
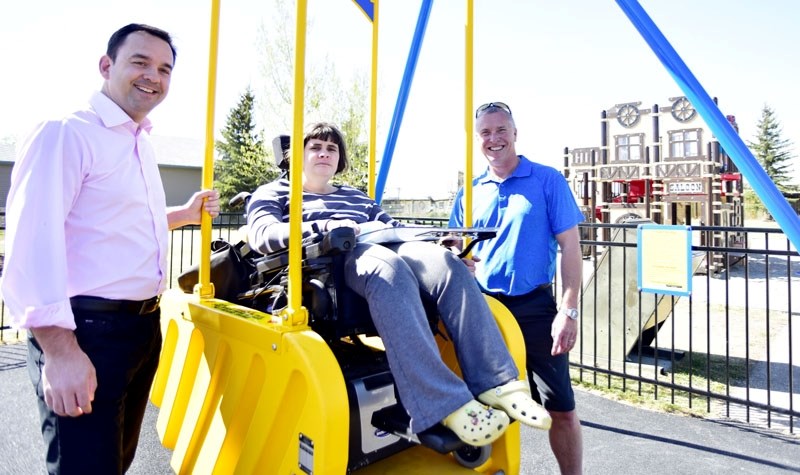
241, 391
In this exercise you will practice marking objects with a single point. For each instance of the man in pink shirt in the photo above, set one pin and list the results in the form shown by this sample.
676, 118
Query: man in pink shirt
86, 258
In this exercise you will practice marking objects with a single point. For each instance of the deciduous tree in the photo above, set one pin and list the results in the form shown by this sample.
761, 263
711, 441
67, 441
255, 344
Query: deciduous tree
326, 98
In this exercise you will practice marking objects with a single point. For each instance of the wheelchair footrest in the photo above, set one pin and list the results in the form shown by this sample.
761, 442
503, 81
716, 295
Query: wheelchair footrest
395, 420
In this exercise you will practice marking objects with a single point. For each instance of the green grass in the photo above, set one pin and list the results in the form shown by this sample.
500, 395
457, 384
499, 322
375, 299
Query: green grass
700, 372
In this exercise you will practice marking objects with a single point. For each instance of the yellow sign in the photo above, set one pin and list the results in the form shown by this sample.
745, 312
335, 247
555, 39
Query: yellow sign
665, 259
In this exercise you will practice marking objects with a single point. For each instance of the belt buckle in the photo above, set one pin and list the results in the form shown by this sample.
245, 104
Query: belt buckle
150, 305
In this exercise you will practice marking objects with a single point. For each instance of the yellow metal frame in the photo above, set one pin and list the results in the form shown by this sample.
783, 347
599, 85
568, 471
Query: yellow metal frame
204, 286
373, 103
469, 123
242, 391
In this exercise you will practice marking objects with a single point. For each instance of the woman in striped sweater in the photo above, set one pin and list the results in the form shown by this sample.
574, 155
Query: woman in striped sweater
392, 279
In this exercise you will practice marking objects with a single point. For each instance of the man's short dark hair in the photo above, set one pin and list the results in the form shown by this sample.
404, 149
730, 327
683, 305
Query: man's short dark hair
119, 36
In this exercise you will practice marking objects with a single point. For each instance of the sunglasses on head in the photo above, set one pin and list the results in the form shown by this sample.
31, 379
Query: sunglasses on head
497, 105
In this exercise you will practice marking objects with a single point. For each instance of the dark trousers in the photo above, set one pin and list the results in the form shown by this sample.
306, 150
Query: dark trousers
548, 375
124, 349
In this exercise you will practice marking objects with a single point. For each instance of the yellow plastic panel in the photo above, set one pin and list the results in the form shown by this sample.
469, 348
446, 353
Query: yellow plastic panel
237, 392
180, 357
506, 450
509, 328
170, 336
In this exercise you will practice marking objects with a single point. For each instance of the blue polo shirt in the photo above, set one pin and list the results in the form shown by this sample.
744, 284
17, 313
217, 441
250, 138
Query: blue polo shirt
529, 208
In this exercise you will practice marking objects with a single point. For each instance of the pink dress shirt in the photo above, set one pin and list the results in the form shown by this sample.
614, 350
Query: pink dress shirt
86, 215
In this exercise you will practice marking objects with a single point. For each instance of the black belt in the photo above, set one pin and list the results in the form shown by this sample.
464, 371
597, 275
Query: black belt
99, 304
513, 298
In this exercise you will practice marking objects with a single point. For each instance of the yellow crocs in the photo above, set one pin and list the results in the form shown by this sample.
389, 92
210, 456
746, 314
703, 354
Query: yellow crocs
477, 424
515, 399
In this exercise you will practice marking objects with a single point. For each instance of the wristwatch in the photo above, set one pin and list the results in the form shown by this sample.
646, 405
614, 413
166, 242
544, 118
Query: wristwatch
572, 313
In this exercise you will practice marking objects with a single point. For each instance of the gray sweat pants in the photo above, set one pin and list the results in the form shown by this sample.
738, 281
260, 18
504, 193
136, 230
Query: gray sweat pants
391, 279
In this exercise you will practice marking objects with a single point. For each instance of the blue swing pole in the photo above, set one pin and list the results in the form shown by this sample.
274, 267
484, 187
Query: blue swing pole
742, 156
402, 98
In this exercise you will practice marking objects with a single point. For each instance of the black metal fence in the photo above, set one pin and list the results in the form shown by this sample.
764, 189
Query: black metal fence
730, 349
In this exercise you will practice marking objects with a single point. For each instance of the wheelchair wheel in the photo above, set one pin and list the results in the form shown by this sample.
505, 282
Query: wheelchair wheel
472, 457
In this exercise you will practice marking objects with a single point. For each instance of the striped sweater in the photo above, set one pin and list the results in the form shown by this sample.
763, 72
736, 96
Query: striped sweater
268, 213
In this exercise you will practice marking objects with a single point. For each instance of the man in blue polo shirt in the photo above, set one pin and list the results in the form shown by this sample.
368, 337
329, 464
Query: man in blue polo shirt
535, 213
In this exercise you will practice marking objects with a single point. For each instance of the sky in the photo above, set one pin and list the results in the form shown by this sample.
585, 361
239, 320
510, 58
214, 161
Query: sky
558, 64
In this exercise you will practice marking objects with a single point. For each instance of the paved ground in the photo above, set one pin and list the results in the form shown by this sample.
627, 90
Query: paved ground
618, 438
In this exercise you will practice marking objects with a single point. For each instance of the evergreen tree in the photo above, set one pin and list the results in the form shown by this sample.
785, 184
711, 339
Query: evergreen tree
242, 163
326, 99
772, 151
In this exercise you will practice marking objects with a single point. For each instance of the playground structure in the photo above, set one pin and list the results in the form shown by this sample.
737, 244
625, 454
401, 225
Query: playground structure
664, 164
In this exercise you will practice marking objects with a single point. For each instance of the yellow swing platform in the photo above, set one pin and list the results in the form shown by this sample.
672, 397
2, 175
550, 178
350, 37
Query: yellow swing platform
241, 391
240, 394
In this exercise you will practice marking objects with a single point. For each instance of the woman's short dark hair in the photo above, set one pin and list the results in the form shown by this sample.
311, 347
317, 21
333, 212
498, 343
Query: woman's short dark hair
119, 36
329, 132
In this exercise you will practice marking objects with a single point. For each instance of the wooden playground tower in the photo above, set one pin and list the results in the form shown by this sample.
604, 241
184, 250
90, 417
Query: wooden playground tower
669, 169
